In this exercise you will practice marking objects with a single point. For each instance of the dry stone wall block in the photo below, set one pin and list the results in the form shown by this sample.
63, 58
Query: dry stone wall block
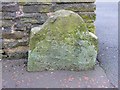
10, 7
16, 53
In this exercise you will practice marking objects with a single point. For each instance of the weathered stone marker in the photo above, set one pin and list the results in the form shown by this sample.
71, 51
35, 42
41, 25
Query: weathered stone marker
62, 43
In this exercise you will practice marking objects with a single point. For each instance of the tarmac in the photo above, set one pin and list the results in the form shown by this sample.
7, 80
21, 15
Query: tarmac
107, 32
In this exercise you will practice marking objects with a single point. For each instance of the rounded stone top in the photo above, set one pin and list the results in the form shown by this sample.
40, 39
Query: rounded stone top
63, 26
64, 13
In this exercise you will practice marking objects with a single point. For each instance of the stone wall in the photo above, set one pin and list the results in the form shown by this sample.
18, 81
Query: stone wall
19, 18
14, 34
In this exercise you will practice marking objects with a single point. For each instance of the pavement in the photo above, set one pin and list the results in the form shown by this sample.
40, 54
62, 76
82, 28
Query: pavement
104, 75
15, 75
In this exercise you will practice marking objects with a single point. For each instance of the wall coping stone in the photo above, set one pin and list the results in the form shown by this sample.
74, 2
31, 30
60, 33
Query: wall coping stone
56, 0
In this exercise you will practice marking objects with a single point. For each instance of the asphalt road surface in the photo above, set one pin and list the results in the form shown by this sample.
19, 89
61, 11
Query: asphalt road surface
107, 32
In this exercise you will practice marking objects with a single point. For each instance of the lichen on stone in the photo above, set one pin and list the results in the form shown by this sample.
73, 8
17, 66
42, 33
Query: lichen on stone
63, 42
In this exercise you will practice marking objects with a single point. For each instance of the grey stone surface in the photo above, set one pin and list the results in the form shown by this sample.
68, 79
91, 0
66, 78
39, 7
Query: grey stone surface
7, 23
86, 7
16, 53
107, 32
33, 18
10, 7
24, 27
8, 15
37, 8
82, 7
89, 17
14, 35
12, 43
70, 1
0, 15
40, 18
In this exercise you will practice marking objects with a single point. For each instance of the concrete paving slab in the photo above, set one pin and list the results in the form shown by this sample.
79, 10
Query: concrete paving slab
16, 76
